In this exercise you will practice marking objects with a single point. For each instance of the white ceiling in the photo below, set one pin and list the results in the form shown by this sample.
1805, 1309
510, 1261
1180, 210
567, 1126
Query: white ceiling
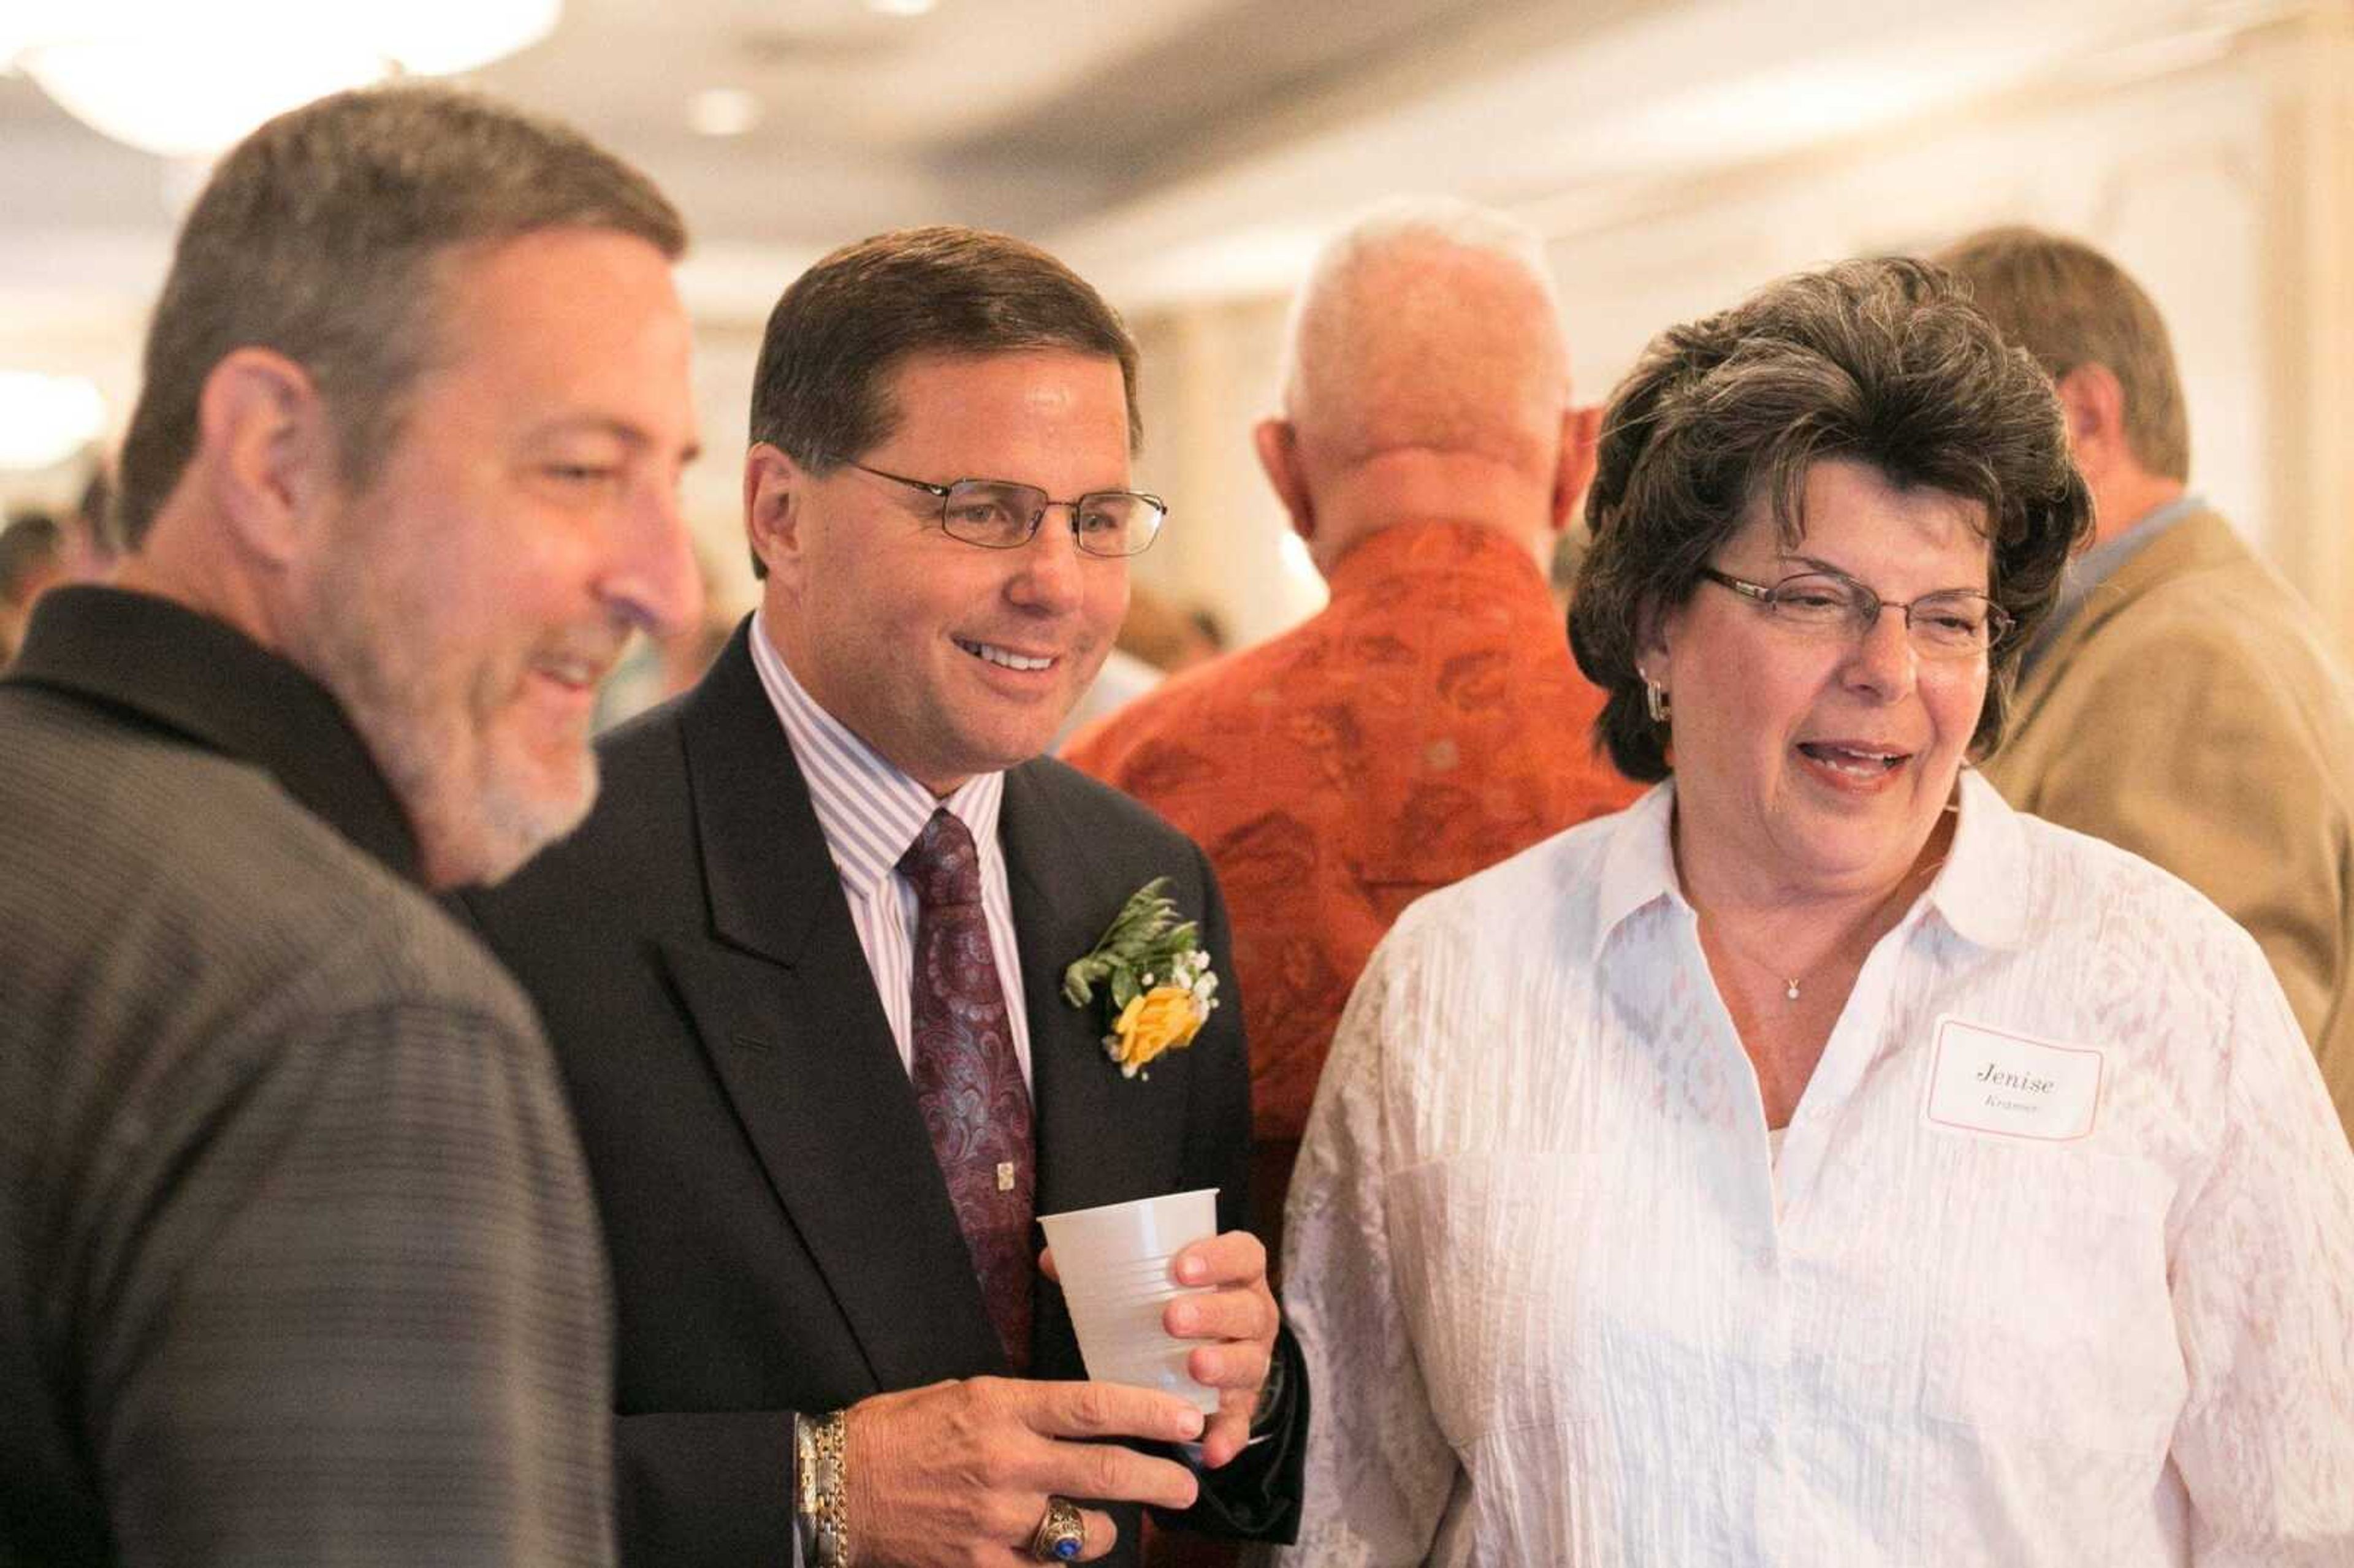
1165, 147
1020, 114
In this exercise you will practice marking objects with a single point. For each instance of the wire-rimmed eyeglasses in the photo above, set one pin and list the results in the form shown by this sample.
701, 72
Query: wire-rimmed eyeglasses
1000, 514
1952, 623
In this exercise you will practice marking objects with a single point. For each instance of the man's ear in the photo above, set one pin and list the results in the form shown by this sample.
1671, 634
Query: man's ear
2094, 403
266, 450
1278, 442
775, 488
1581, 431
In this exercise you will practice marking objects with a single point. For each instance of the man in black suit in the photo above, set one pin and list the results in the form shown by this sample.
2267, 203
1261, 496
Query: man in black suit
822, 1091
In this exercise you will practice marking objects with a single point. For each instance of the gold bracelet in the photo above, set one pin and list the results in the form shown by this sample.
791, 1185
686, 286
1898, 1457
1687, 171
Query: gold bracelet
822, 1456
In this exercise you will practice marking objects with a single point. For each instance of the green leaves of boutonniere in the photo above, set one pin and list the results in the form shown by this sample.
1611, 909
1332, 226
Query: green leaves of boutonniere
1160, 988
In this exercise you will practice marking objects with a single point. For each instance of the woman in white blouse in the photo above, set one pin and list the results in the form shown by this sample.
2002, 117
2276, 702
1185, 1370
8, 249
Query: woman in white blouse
1819, 1163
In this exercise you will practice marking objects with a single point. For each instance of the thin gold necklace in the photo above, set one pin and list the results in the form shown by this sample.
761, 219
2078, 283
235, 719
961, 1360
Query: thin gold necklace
1791, 983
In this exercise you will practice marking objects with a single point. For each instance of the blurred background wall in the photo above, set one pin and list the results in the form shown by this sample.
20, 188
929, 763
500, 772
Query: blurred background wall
1187, 156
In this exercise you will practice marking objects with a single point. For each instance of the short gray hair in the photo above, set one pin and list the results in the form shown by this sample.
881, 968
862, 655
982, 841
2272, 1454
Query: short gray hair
326, 236
1425, 364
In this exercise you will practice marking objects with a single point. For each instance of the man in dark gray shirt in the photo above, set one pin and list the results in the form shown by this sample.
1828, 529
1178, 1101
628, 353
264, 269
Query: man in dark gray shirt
297, 1259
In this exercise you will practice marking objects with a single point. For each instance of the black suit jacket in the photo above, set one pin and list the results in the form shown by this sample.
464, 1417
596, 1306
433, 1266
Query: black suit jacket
781, 1238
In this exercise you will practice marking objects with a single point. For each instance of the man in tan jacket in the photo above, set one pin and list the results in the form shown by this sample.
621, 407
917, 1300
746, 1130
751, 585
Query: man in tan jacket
2183, 702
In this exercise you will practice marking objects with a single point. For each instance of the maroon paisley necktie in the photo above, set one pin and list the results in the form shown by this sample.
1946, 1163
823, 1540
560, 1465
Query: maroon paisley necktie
968, 1080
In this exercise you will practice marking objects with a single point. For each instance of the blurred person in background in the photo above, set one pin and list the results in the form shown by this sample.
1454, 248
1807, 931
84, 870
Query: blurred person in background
33, 559
1819, 1161
38, 552
94, 545
1156, 640
2183, 701
1166, 635
298, 1261
1428, 722
656, 669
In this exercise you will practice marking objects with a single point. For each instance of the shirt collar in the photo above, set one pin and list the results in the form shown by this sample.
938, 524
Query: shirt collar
2097, 565
170, 666
1976, 892
1979, 891
2087, 572
869, 809
1454, 551
1639, 865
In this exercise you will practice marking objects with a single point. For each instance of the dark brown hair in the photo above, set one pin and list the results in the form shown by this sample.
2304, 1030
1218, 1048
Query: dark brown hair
326, 236
820, 391
1882, 362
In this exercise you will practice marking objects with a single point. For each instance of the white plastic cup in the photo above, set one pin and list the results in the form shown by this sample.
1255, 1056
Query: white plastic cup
1115, 1264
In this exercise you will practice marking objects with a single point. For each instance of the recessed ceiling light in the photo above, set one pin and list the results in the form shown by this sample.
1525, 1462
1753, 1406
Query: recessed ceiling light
724, 111
900, 7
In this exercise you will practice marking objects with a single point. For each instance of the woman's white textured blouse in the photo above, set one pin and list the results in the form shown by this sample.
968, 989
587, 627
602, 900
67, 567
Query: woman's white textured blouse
1561, 1309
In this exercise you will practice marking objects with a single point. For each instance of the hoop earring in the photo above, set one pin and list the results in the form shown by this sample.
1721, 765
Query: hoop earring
1655, 700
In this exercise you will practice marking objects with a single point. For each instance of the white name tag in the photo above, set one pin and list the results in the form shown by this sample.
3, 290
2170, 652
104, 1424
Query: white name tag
1987, 1080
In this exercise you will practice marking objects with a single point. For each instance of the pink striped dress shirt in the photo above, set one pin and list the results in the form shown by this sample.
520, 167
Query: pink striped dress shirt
870, 813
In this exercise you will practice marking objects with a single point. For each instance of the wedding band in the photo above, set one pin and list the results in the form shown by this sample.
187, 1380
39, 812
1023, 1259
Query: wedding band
1062, 1535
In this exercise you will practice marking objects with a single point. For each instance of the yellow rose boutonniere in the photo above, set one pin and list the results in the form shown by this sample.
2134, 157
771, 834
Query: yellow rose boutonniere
1162, 989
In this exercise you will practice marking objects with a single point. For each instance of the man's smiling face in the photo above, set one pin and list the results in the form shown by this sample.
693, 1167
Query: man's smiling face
464, 605
949, 659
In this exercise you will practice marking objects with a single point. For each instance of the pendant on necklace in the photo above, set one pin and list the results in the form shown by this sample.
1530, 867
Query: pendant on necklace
1791, 990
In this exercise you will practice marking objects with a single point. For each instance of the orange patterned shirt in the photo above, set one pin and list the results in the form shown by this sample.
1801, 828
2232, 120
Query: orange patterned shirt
1428, 723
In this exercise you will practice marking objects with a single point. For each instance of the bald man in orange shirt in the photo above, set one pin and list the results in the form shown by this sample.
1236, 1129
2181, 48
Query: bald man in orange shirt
1429, 722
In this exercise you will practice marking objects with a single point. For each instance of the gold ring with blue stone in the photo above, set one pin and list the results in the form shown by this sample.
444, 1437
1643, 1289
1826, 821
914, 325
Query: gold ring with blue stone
1062, 1535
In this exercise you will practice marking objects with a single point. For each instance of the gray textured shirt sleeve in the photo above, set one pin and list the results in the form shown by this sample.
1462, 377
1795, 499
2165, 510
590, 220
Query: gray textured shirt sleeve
352, 1314
298, 1262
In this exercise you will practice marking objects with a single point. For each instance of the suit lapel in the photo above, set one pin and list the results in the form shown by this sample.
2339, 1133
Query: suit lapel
785, 1007
1102, 1138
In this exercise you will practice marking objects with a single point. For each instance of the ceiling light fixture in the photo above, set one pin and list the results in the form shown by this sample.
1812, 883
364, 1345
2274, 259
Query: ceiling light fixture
901, 7
724, 111
187, 80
